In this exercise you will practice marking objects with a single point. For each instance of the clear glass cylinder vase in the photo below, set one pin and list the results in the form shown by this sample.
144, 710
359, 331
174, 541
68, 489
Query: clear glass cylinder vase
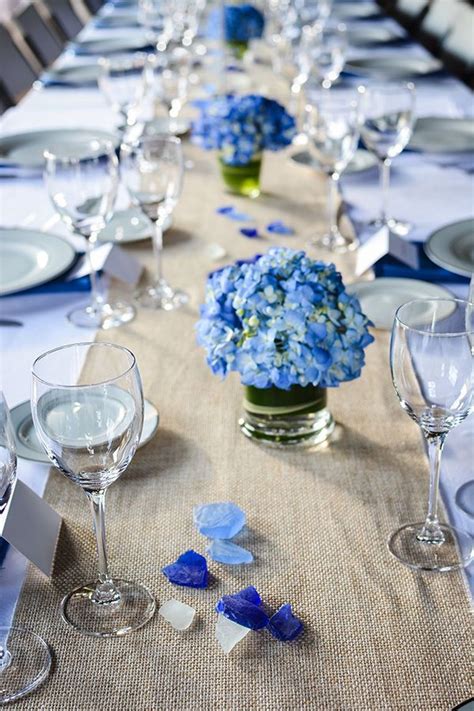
242, 179
298, 417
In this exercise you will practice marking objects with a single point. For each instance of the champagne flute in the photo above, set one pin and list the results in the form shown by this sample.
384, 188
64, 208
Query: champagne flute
432, 364
90, 426
389, 115
152, 170
121, 82
83, 190
333, 124
25, 659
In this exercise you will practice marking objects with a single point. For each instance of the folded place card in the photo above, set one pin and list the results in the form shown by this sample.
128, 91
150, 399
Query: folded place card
32, 527
382, 243
111, 259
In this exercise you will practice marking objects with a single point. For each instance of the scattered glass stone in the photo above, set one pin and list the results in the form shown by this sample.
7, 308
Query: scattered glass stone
229, 633
225, 209
244, 608
216, 251
250, 232
284, 625
178, 614
233, 214
219, 520
189, 570
227, 552
280, 228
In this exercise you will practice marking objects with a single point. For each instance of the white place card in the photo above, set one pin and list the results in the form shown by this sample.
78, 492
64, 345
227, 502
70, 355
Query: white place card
32, 527
382, 243
112, 260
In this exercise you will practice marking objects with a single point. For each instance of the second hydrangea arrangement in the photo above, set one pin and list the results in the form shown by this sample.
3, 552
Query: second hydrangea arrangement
241, 128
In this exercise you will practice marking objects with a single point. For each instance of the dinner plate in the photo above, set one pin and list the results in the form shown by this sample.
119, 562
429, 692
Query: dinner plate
117, 20
390, 67
28, 445
452, 247
26, 150
177, 126
75, 75
443, 135
379, 299
368, 35
111, 45
29, 258
129, 225
363, 160
356, 11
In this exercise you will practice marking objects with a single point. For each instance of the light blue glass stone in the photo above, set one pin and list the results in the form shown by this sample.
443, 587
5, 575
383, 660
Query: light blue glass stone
227, 552
219, 520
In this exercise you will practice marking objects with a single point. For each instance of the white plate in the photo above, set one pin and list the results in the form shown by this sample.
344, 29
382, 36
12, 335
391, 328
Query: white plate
111, 45
27, 149
452, 247
356, 10
129, 226
390, 67
29, 258
366, 35
75, 75
28, 445
177, 126
443, 135
363, 160
379, 299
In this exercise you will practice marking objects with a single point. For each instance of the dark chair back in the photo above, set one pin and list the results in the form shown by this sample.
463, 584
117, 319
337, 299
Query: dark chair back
94, 5
17, 75
43, 40
65, 18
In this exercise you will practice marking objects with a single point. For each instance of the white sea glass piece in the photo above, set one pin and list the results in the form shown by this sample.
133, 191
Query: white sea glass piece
229, 633
178, 614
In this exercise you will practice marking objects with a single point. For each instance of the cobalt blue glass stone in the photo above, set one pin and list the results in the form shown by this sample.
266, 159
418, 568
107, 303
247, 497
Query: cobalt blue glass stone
220, 520
284, 625
190, 570
244, 608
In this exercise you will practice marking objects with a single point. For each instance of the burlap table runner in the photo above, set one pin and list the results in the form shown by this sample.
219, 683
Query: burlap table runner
376, 635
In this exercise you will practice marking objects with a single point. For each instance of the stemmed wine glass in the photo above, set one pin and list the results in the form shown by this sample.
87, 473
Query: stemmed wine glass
333, 124
152, 170
25, 659
89, 422
389, 115
166, 86
83, 190
121, 82
326, 48
151, 14
432, 364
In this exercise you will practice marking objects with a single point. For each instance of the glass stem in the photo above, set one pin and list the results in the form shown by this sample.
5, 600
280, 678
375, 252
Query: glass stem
157, 249
384, 188
332, 207
96, 298
5, 657
431, 531
105, 592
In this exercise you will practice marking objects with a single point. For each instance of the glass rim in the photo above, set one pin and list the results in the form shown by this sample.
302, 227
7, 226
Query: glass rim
464, 302
144, 139
388, 87
81, 344
105, 147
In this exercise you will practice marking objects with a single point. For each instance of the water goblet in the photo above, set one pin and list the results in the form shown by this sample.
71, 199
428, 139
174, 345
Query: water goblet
332, 125
389, 115
25, 659
151, 15
325, 47
432, 365
90, 426
166, 87
83, 189
121, 81
152, 170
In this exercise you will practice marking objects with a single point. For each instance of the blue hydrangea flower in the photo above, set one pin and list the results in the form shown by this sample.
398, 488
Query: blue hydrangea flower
241, 127
241, 23
282, 319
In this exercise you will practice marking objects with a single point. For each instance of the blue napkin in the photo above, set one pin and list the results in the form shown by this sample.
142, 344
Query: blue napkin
428, 271
3, 550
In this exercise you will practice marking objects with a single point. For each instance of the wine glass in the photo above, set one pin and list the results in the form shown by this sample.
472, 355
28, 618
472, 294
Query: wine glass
151, 15
25, 659
166, 86
432, 364
121, 81
83, 189
326, 48
332, 125
152, 170
389, 115
90, 423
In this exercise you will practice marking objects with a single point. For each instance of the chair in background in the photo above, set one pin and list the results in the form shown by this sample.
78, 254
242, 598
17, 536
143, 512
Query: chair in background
438, 22
66, 19
94, 5
410, 13
38, 31
457, 49
18, 72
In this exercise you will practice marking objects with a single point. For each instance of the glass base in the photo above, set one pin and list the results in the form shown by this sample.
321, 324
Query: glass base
133, 610
335, 242
105, 317
398, 227
454, 552
289, 431
26, 663
162, 296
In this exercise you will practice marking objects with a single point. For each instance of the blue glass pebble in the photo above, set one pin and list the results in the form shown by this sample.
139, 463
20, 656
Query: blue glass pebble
219, 520
278, 227
250, 232
227, 552
225, 209
244, 608
189, 570
284, 625
232, 213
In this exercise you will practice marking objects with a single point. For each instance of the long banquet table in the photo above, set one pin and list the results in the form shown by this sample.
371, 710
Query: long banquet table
376, 635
